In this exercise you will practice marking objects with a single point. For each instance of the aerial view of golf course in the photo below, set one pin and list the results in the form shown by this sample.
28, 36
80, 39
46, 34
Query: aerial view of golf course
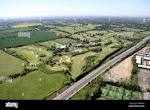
74, 52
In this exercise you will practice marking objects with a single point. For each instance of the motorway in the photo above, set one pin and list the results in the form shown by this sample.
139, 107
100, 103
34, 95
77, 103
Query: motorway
73, 89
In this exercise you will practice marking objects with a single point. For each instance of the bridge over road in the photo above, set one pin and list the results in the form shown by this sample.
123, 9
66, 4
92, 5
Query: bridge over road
73, 89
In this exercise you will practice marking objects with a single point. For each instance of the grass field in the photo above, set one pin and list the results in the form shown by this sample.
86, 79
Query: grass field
37, 36
70, 30
78, 62
8, 30
25, 25
33, 54
50, 44
35, 85
64, 41
10, 65
59, 33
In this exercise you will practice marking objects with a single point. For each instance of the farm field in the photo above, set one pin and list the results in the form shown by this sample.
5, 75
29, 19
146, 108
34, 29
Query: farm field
34, 85
10, 65
15, 41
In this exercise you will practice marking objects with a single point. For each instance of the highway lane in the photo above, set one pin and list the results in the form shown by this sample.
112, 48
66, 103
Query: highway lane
73, 89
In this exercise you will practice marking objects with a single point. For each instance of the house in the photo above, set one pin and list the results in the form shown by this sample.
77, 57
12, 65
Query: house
59, 49
139, 59
85, 44
143, 59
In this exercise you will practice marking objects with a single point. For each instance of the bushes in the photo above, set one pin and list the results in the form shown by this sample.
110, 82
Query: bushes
91, 61
91, 91
134, 76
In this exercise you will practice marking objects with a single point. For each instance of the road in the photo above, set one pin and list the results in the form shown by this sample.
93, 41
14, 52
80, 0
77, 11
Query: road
73, 89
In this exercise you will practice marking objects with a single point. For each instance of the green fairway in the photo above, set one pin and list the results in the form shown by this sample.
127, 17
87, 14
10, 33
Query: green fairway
64, 41
33, 54
10, 65
35, 85
50, 44
78, 63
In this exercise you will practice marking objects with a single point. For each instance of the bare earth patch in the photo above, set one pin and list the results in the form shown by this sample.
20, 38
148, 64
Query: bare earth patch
147, 95
144, 78
120, 72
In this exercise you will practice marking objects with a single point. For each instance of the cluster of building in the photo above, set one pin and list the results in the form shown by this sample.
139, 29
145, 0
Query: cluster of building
75, 45
85, 43
143, 59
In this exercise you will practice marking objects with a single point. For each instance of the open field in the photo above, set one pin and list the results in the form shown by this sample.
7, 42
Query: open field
50, 44
55, 69
59, 33
15, 41
6, 32
69, 30
120, 72
10, 65
78, 62
64, 41
26, 25
32, 54
35, 85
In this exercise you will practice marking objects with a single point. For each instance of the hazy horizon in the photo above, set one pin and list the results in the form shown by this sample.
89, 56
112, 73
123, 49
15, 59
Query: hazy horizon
58, 8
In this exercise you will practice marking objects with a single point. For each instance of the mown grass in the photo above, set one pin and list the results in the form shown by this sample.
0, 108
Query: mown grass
64, 41
78, 62
35, 85
32, 54
10, 65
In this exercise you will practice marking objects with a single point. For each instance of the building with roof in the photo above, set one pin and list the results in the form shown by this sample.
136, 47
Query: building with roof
143, 59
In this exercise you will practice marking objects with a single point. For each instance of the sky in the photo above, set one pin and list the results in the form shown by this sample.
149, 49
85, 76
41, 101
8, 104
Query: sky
33, 8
